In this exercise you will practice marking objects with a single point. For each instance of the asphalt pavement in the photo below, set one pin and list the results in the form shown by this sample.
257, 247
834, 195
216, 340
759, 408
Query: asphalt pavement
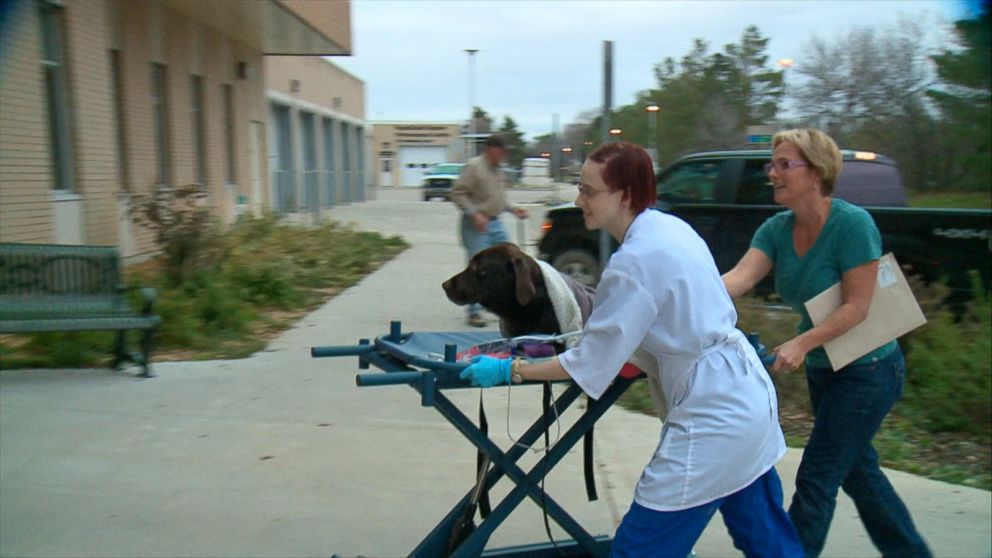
280, 454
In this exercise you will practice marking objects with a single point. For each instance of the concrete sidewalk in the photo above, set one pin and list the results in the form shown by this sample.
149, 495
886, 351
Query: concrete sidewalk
281, 455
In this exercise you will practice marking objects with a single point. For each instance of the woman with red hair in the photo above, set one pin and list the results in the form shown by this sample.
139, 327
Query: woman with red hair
661, 294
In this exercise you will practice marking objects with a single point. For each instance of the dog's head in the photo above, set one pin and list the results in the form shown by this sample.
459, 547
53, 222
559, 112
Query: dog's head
501, 278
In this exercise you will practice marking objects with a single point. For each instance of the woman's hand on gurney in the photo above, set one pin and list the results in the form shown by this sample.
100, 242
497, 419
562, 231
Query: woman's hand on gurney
486, 371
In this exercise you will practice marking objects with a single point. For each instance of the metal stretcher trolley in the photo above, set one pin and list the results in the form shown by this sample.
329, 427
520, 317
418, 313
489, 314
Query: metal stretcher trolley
427, 362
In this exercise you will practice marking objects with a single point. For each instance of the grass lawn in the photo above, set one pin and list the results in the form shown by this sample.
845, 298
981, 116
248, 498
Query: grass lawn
969, 200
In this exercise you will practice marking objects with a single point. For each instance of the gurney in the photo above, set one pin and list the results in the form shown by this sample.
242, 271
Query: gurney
428, 362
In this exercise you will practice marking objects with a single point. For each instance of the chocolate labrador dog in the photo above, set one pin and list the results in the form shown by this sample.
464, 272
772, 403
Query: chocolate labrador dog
509, 283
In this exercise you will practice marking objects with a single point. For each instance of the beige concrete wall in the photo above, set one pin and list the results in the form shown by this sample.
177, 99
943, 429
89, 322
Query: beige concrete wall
332, 18
388, 138
317, 81
25, 163
189, 48
315, 86
93, 122
415, 133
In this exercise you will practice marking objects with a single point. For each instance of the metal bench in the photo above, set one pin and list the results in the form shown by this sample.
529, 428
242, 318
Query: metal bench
50, 287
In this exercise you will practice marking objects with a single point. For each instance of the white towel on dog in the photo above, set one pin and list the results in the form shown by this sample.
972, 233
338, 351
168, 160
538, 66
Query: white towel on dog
563, 301
569, 316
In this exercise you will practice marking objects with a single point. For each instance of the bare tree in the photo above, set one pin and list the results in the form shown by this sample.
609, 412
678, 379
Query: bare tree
867, 89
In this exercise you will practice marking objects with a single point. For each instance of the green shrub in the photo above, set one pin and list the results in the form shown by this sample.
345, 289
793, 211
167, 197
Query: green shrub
180, 327
73, 349
949, 368
265, 283
183, 227
222, 308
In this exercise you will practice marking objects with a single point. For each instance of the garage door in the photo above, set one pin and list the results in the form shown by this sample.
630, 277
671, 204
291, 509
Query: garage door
417, 161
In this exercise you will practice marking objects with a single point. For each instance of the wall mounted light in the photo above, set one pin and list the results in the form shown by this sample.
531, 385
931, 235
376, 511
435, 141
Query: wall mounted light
243, 70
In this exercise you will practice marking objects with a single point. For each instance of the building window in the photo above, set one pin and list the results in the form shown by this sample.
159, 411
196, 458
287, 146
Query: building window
160, 112
198, 129
117, 69
57, 94
229, 134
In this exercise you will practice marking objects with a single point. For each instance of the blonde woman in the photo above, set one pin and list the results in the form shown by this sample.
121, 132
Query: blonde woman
816, 242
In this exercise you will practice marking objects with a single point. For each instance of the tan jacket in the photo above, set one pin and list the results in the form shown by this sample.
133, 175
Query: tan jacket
481, 188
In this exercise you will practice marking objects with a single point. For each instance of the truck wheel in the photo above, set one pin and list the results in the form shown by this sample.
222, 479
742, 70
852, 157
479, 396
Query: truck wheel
579, 265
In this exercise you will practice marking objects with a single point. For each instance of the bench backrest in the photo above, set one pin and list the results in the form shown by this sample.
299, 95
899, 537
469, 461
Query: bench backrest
55, 270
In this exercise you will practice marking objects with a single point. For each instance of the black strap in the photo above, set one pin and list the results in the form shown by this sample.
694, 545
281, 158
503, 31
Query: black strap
482, 461
587, 439
545, 405
465, 526
587, 465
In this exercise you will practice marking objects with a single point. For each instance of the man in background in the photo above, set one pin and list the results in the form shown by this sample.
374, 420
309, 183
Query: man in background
480, 194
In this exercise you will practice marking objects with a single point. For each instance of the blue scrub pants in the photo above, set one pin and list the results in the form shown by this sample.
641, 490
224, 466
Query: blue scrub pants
754, 516
475, 242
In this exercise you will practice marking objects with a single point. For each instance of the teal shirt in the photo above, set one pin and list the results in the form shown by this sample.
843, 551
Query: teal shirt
848, 239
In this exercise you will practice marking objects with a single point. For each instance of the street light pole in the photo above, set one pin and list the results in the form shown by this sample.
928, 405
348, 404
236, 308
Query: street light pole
653, 109
470, 140
785, 64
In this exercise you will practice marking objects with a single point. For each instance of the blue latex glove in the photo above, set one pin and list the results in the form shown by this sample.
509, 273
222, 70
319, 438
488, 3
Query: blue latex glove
486, 371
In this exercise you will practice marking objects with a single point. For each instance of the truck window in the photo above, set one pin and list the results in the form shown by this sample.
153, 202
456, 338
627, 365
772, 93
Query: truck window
692, 181
756, 187
870, 183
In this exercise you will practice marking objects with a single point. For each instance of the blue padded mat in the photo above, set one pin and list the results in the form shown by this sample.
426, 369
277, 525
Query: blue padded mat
430, 345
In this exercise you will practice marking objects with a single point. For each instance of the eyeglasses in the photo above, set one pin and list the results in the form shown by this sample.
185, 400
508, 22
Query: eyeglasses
587, 192
783, 165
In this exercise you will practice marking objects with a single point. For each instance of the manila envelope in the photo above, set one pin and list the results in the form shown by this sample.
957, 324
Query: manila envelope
893, 312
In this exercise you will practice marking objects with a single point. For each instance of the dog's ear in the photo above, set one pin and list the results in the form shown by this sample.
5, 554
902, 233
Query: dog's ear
525, 284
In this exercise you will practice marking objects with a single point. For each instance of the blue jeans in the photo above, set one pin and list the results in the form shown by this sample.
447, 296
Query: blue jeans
754, 516
848, 406
475, 242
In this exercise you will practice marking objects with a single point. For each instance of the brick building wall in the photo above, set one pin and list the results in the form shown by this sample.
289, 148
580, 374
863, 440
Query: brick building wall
92, 120
105, 179
24, 151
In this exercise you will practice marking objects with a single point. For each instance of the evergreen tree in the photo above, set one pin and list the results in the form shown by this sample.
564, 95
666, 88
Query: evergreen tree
515, 143
964, 103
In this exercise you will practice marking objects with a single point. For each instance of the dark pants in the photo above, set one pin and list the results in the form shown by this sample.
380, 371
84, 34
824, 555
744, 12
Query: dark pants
849, 406
475, 242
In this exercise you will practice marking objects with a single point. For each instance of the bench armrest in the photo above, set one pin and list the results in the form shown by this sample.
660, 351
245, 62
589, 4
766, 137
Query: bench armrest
148, 295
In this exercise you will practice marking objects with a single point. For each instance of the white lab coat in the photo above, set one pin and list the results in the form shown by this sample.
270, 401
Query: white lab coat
661, 292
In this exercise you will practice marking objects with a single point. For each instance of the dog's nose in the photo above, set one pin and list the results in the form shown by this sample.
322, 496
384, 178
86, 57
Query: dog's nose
446, 285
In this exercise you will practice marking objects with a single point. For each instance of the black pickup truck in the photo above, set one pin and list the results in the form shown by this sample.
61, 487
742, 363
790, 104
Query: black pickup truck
726, 196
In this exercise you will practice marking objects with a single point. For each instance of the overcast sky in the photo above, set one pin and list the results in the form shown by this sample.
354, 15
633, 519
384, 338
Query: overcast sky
540, 58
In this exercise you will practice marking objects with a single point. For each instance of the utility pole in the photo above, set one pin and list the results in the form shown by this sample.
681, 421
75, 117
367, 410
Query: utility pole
470, 147
604, 237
